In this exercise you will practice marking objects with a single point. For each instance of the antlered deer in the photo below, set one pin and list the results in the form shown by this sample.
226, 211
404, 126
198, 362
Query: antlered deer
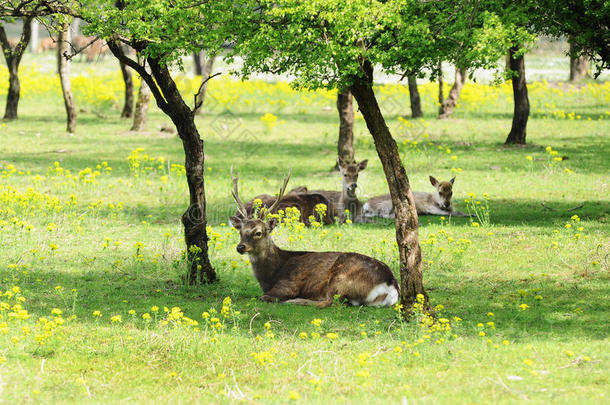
298, 198
309, 278
346, 199
438, 203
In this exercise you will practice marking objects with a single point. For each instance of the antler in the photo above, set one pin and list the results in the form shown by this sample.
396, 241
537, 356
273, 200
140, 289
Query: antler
240, 205
279, 197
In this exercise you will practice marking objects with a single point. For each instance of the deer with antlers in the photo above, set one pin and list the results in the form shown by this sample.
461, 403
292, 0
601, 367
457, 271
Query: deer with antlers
309, 278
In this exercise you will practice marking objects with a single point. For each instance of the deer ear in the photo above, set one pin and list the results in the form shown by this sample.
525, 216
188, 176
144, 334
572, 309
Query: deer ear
271, 223
452, 180
433, 181
362, 165
340, 161
235, 222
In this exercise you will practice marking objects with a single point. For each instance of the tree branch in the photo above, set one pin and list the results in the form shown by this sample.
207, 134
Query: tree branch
117, 51
203, 82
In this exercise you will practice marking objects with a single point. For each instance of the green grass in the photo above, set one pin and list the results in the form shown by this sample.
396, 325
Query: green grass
557, 349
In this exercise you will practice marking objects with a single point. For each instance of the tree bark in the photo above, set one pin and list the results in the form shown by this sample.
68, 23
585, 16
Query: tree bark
206, 67
345, 145
170, 101
448, 105
128, 80
441, 85
63, 69
415, 98
197, 63
579, 66
141, 114
13, 59
522, 104
411, 279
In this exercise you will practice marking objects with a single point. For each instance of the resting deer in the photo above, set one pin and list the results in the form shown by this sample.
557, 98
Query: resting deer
438, 203
346, 199
309, 278
305, 202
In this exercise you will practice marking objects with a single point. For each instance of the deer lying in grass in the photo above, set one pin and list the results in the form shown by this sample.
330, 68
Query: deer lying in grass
309, 278
298, 198
438, 203
346, 199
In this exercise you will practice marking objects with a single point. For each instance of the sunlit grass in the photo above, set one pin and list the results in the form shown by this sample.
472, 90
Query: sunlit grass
91, 239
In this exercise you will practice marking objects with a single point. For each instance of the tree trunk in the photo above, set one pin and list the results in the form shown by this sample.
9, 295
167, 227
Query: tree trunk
141, 113
63, 69
411, 279
579, 66
345, 145
449, 103
522, 104
441, 85
206, 65
128, 80
13, 59
415, 99
194, 219
197, 63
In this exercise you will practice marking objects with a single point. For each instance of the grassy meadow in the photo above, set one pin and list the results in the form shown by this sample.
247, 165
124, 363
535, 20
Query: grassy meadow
92, 306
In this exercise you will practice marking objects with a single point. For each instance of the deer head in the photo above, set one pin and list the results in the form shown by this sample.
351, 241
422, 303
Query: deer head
349, 175
445, 192
255, 230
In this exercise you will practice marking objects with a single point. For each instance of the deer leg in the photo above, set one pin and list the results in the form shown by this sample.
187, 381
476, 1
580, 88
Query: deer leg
434, 210
304, 301
283, 290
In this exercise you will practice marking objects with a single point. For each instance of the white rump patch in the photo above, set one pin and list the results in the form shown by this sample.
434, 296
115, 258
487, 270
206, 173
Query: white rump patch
389, 291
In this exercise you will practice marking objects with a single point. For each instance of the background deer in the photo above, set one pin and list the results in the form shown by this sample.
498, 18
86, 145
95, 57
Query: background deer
346, 199
438, 203
310, 278
305, 202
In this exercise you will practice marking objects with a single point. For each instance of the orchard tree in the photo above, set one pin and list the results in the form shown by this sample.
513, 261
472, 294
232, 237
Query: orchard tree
13, 52
161, 32
339, 44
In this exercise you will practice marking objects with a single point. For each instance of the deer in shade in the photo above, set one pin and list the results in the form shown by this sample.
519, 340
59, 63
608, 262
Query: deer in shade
347, 198
437, 203
309, 278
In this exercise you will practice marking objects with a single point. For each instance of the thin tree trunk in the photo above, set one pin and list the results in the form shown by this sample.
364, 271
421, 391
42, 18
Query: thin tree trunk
415, 98
579, 66
448, 105
194, 219
141, 113
207, 65
345, 145
197, 63
13, 59
35, 36
522, 104
441, 85
128, 80
411, 279
63, 69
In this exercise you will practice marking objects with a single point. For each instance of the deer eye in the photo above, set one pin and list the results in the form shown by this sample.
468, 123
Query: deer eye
258, 234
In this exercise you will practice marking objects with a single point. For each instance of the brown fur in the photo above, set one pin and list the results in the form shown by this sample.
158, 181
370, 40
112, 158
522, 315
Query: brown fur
346, 199
306, 203
439, 203
316, 277
311, 278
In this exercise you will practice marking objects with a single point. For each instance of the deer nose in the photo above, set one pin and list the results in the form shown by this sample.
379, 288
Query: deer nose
241, 248
352, 187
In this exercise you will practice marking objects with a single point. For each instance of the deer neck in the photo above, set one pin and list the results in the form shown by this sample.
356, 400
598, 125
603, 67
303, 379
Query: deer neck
266, 261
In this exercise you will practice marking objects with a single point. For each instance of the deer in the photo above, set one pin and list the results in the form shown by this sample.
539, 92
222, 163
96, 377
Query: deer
309, 278
346, 199
438, 203
305, 202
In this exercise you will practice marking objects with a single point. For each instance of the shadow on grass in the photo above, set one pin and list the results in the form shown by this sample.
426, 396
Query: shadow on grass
568, 310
